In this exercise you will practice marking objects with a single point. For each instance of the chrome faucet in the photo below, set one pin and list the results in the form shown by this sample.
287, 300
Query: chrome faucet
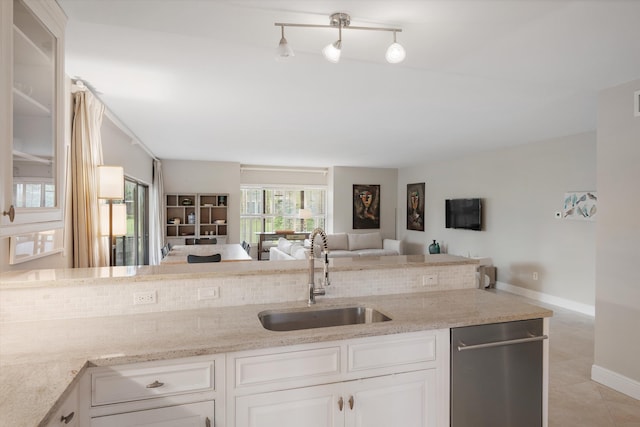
313, 291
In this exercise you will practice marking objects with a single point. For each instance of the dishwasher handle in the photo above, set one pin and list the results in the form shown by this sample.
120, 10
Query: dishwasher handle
463, 347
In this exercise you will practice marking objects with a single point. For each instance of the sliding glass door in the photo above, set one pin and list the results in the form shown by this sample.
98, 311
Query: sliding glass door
133, 248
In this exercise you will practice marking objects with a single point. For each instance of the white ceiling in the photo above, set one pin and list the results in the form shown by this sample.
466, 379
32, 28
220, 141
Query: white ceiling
199, 79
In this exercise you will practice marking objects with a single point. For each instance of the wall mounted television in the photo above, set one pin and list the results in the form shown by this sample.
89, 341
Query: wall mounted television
464, 214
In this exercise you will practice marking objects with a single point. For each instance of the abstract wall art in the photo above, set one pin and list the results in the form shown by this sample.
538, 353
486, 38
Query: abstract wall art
366, 206
415, 206
581, 205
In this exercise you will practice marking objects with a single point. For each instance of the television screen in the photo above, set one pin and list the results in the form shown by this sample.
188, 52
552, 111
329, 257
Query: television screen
463, 213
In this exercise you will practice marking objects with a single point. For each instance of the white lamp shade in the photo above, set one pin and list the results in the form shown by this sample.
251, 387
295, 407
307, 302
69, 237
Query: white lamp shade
118, 219
110, 182
395, 53
284, 51
332, 51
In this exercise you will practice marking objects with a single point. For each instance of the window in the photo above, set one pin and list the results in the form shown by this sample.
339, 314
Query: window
265, 209
34, 194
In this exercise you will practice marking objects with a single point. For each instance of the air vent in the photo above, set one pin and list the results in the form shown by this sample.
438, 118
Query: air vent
636, 103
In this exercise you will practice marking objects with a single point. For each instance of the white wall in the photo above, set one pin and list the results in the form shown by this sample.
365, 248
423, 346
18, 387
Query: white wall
617, 339
118, 149
189, 176
341, 181
521, 188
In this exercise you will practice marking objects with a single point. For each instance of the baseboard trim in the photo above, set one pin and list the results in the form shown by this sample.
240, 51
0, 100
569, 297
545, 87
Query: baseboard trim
589, 310
616, 381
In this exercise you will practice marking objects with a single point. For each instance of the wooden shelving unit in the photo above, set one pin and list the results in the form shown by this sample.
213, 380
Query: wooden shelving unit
193, 216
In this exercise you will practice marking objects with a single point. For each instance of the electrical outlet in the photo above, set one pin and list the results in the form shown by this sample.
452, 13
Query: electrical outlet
430, 280
535, 275
144, 298
208, 293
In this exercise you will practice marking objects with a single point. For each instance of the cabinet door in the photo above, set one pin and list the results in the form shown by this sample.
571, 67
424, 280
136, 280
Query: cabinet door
33, 160
407, 400
190, 415
316, 406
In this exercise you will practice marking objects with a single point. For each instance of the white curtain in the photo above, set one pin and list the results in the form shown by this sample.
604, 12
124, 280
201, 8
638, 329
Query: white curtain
89, 249
157, 215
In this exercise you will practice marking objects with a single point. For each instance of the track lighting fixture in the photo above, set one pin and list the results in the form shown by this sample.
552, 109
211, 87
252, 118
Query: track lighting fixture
394, 55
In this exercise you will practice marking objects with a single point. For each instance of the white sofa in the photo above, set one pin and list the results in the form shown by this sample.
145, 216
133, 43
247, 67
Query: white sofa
340, 245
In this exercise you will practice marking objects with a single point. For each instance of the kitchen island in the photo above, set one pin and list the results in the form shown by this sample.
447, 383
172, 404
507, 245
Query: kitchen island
41, 359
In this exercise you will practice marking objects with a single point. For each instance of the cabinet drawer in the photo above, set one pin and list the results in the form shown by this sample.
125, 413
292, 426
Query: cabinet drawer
287, 366
391, 351
125, 384
190, 415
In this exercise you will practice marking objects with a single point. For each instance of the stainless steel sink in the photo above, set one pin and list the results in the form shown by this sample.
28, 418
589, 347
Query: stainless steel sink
310, 318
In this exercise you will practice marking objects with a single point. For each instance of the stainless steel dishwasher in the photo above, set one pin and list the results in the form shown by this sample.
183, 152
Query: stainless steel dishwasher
496, 375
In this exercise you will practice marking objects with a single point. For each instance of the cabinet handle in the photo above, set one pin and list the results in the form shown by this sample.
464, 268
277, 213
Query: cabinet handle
68, 418
350, 402
340, 403
11, 213
155, 384
207, 422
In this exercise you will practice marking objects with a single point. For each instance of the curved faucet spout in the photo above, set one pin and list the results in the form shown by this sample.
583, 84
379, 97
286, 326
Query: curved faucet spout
313, 291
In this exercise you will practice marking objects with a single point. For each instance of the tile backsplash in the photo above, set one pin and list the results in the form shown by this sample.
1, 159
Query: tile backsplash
102, 297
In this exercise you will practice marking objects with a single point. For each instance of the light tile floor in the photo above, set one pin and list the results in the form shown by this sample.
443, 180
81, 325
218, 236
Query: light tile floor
575, 400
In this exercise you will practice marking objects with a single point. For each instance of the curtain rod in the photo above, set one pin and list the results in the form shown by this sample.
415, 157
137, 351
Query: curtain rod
81, 85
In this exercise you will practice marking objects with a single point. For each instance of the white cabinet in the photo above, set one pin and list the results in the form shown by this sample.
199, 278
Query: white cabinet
177, 393
406, 400
31, 116
387, 380
67, 415
310, 407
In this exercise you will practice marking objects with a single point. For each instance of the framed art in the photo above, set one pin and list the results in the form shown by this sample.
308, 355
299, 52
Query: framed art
415, 207
366, 206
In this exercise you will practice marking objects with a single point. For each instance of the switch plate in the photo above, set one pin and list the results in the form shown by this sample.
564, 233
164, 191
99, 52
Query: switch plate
144, 298
535, 275
430, 280
208, 293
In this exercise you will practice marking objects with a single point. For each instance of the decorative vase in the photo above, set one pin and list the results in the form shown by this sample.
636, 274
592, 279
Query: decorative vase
434, 248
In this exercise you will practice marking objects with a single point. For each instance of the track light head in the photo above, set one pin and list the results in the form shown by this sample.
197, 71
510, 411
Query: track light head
283, 51
332, 51
395, 53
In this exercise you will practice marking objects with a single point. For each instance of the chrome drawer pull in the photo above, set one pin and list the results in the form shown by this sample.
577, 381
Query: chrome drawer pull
155, 384
67, 419
464, 347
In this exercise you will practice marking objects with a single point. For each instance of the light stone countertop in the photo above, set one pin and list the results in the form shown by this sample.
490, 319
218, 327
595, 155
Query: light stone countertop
80, 276
39, 360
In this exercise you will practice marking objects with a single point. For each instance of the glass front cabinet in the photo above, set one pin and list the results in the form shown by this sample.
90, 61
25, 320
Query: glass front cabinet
32, 106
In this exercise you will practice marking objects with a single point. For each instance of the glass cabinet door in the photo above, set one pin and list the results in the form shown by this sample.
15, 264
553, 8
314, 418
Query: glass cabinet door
37, 105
